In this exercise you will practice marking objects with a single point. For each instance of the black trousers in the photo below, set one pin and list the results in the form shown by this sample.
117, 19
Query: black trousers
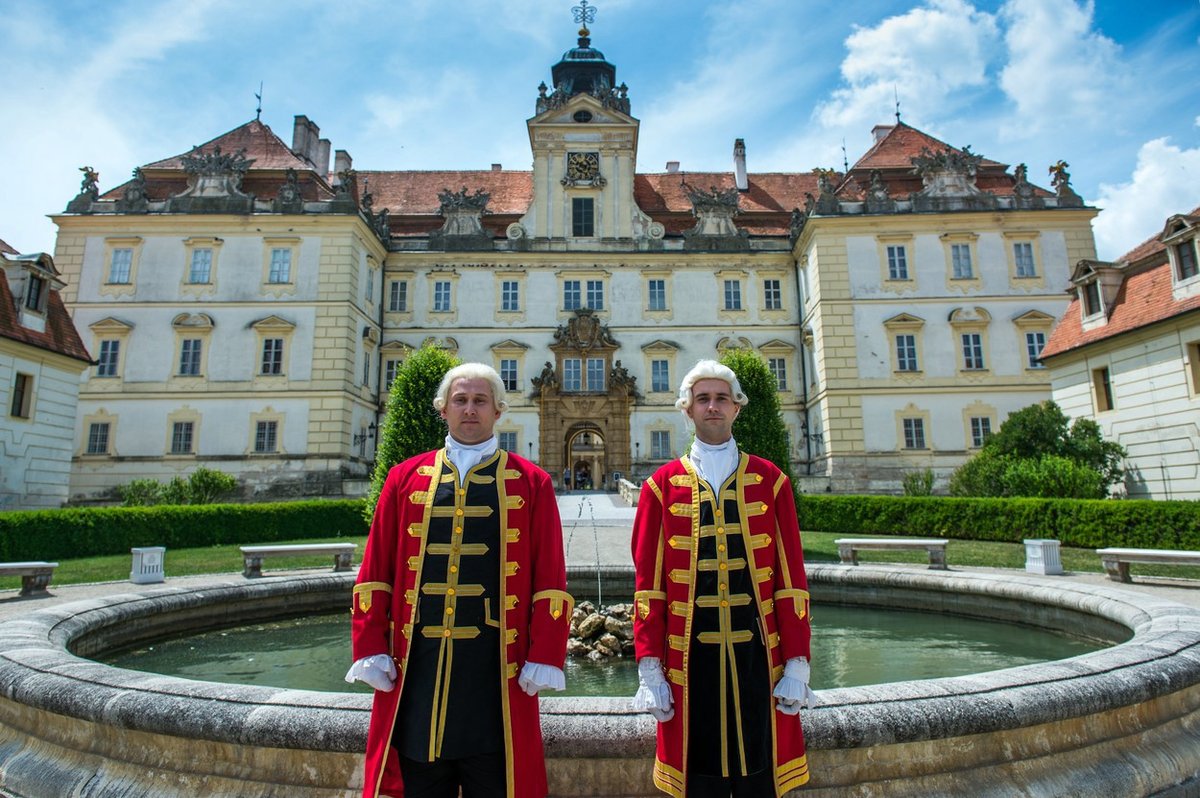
480, 776
756, 785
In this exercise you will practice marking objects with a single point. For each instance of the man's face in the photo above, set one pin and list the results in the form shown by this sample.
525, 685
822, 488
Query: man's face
470, 410
713, 411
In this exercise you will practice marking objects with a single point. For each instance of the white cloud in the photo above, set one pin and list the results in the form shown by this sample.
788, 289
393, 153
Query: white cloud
1165, 181
1058, 66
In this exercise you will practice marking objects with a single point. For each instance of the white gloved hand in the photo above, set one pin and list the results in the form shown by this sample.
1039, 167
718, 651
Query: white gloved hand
653, 694
377, 670
535, 676
793, 689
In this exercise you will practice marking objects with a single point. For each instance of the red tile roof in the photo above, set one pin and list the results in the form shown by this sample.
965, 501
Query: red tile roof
261, 144
60, 335
900, 145
1145, 297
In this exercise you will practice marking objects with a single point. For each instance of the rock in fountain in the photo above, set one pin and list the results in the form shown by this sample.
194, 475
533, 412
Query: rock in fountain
601, 632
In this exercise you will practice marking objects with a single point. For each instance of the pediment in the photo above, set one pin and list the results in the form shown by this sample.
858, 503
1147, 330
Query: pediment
660, 345
1033, 317
1179, 225
272, 322
565, 115
396, 346
903, 319
777, 345
193, 321
969, 316
509, 345
110, 326
1085, 270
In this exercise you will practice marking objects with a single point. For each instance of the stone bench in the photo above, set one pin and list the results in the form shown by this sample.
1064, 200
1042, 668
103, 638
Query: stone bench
1116, 561
253, 556
848, 548
35, 576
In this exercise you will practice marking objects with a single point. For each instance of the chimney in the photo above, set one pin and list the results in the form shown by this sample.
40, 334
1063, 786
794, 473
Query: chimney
739, 165
300, 136
879, 132
341, 162
322, 163
313, 143
672, 167
496, 167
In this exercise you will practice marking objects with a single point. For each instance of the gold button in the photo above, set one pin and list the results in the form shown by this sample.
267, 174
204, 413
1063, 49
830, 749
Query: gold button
453, 569
718, 513
449, 610
450, 592
724, 586
722, 566
724, 603
458, 530
721, 547
446, 633
556, 613
462, 491
720, 530
458, 511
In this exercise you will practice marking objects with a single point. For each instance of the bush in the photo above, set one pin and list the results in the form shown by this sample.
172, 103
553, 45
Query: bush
759, 428
141, 492
204, 486
96, 531
918, 483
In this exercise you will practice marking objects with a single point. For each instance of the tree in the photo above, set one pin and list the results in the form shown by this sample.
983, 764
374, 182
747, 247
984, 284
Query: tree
1036, 452
410, 425
759, 428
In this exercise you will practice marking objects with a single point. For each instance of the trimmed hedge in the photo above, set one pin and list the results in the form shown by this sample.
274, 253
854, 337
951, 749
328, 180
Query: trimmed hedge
1084, 523
96, 531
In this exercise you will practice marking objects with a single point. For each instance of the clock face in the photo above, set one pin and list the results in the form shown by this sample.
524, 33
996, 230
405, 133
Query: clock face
583, 165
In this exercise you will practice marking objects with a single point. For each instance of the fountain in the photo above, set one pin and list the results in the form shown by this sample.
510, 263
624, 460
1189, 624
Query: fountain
1122, 721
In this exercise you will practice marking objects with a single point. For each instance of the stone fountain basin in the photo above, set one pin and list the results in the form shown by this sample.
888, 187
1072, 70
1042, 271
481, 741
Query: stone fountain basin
1123, 721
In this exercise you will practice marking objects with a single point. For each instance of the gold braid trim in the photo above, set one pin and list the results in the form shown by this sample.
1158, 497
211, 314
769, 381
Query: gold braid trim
800, 599
362, 594
642, 599
557, 599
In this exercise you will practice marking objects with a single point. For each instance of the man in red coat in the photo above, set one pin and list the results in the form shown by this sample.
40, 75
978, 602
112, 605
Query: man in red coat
721, 627
460, 614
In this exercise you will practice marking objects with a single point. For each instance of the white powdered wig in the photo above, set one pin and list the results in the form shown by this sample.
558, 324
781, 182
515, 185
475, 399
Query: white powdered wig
708, 370
471, 371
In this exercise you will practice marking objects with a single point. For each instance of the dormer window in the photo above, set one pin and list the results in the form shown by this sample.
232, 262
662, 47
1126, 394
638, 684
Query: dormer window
1091, 299
35, 295
1185, 260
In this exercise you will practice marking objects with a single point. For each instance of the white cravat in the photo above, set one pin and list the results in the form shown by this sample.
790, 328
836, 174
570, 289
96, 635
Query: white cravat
714, 464
466, 456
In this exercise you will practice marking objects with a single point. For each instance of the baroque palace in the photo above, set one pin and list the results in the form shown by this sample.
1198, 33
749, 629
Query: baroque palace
247, 305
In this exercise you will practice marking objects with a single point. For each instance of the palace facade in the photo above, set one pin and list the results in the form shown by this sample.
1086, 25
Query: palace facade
248, 305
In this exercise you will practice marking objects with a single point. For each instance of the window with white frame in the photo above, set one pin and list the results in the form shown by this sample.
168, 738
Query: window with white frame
660, 378
441, 296
778, 368
897, 258
1185, 259
281, 265
772, 295
200, 269
660, 444
507, 440
914, 433
960, 260
572, 297
35, 296
109, 360
508, 373
572, 374
656, 294
595, 294
972, 351
1023, 257
733, 294
181, 437
906, 353
266, 436
272, 356
22, 396
1035, 342
595, 374
189, 357
510, 295
398, 296
1091, 298
981, 428
121, 266
97, 442
390, 367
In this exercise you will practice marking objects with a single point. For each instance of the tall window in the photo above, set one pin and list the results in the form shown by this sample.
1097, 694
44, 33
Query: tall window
981, 428
571, 295
22, 396
897, 257
181, 437
265, 436
660, 444
572, 374
583, 216
595, 294
778, 368
772, 295
1185, 255
189, 357
281, 266
97, 442
1035, 342
972, 349
1102, 384
508, 373
510, 295
398, 296
366, 374
906, 353
660, 379
200, 270
733, 294
960, 259
121, 265
35, 297
914, 433
1091, 298
272, 356
507, 441
595, 374
110, 356
656, 294
441, 296
1023, 255
389, 373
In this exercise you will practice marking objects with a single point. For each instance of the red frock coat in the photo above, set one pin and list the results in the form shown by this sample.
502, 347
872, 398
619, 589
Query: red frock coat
534, 624
666, 531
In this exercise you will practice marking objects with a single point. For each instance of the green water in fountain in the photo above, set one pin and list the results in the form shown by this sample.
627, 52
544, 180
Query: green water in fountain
851, 647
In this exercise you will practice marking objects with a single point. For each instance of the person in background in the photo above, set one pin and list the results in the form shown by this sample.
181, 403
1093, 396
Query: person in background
460, 613
720, 585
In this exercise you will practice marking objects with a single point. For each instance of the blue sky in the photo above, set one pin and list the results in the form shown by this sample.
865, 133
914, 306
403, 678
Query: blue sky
1112, 87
